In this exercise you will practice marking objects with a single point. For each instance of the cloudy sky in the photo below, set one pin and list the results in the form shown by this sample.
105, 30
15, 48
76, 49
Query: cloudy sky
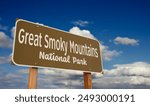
122, 27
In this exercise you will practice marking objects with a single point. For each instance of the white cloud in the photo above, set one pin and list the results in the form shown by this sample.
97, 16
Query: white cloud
12, 31
13, 80
59, 72
55, 78
134, 69
81, 23
5, 59
122, 82
134, 75
4, 28
47, 78
108, 54
78, 31
126, 41
5, 41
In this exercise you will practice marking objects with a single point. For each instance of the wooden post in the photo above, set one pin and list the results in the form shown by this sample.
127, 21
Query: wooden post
32, 80
87, 80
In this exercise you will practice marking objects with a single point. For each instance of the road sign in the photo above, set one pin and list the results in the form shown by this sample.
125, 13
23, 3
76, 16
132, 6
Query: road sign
42, 46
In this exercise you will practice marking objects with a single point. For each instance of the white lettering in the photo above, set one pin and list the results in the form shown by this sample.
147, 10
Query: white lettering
56, 44
83, 49
21, 37
79, 61
29, 38
46, 46
53, 57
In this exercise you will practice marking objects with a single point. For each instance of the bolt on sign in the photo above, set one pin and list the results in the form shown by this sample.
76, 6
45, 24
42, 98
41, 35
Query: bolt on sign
41, 46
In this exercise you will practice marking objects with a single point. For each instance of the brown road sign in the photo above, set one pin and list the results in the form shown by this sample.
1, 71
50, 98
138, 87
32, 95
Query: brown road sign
41, 46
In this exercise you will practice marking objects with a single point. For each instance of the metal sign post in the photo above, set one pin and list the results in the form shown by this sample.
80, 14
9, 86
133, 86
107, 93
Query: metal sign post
32, 80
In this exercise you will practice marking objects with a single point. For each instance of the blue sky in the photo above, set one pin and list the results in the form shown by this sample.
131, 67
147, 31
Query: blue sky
122, 26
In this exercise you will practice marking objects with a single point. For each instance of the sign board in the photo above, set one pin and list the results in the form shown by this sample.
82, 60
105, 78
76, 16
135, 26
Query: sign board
41, 46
